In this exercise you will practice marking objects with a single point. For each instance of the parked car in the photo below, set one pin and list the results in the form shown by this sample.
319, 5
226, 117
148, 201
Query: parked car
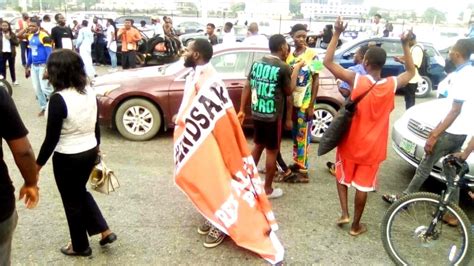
240, 35
410, 132
8, 15
189, 27
345, 56
141, 102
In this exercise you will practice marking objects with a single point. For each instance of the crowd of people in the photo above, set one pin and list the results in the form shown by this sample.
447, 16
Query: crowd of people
281, 89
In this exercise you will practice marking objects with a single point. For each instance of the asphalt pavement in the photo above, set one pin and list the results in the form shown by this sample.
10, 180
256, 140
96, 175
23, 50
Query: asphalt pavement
156, 223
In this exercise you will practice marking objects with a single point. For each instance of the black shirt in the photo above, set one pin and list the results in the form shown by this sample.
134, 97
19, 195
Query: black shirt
12, 128
58, 33
268, 79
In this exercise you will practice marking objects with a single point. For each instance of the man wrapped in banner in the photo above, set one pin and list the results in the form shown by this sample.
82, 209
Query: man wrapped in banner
213, 165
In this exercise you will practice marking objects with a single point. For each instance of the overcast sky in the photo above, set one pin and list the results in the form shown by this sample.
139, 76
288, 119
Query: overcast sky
455, 6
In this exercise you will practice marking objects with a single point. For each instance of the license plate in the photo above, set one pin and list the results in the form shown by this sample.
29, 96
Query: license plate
408, 147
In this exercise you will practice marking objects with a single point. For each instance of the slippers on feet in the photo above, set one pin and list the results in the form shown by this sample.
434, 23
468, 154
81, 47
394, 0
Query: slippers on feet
343, 221
362, 229
298, 178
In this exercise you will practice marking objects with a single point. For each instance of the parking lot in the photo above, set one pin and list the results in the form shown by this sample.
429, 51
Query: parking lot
156, 223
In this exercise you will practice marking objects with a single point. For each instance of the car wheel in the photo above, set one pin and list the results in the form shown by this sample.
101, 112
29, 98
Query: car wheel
138, 119
424, 87
323, 116
4, 85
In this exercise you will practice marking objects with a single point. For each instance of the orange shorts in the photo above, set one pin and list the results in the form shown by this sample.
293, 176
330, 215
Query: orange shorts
362, 177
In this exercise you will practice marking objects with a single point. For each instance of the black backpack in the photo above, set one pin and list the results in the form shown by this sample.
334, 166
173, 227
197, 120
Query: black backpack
424, 66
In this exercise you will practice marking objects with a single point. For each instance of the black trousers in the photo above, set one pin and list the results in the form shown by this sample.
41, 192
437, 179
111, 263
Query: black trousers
410, 94
23, 51
100, 48
7, 57
129, 59
71, 172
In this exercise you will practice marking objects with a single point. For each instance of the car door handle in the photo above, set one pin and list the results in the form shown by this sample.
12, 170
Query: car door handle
236, 84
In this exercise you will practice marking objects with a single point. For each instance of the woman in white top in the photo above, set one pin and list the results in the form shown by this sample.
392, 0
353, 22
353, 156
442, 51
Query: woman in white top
112, 44
73, 134
84, 44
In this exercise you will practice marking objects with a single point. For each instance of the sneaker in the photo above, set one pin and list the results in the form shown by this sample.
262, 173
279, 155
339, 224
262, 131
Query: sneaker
214, 238
112, 70
204, 228
15, 83
390, 198
276, 193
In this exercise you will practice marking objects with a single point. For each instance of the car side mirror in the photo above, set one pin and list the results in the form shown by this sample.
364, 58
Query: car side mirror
347, 55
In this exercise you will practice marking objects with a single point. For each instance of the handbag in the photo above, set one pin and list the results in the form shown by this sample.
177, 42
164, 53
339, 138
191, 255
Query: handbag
102, 179
340, 125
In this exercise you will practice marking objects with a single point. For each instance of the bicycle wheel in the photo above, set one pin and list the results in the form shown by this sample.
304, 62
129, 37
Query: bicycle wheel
404, 229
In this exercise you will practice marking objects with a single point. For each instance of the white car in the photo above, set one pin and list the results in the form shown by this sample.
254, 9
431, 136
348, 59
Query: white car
410, 132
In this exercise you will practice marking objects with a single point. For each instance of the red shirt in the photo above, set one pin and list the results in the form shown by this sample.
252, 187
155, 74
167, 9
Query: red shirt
366, 141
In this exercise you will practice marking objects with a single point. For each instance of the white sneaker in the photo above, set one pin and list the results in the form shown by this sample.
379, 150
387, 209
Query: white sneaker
112, 70
276, 193
16, 83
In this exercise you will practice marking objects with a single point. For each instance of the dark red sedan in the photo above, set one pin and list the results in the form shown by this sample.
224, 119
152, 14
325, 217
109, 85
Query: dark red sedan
141, 102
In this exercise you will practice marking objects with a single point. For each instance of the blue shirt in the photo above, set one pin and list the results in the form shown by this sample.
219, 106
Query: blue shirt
39, 48
359, 69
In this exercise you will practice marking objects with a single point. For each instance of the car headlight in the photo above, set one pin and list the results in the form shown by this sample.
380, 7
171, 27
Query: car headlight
104, 90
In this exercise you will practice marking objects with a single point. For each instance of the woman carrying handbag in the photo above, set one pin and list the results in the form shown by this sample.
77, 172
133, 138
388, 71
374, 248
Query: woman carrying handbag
72, 133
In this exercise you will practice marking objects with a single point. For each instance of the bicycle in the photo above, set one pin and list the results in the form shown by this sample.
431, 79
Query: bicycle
413, 231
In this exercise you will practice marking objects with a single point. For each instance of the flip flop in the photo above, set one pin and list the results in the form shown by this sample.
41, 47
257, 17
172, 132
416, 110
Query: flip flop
298, 178
363, 229
341, 222
282, 177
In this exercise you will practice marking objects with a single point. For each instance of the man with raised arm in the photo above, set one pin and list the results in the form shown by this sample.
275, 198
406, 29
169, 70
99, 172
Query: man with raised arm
364, 147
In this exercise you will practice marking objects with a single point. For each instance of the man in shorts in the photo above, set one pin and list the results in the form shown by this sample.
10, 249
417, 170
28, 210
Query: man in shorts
268, 85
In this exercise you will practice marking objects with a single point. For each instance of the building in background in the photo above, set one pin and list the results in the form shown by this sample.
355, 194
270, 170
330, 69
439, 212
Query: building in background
352, 9
267, 9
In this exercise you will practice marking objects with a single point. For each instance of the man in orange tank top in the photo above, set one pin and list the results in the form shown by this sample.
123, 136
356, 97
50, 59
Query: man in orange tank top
364, 147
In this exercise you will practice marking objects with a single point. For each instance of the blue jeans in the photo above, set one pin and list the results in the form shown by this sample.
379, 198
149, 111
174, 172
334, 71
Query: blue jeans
113, 58
42, 89
6, 234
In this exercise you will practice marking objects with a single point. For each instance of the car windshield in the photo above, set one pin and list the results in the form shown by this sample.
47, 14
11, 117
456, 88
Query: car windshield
172, 68
346, 46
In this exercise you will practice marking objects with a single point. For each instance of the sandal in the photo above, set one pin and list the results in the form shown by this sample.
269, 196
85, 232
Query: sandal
298, 178
331, 168
390, 198
284, 177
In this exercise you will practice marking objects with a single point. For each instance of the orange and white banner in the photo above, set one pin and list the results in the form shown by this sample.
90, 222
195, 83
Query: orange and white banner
214, 168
